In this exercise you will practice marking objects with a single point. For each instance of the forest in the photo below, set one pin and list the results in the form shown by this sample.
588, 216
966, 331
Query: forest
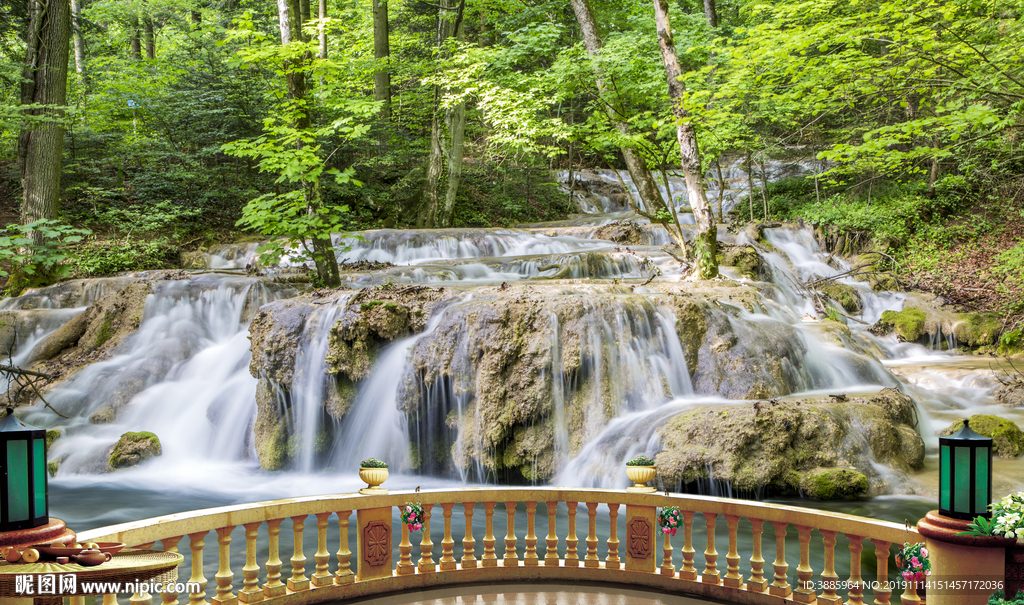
135, 131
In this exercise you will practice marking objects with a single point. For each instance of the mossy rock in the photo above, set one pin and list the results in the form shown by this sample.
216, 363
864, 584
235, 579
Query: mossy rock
133, 448
908, 323
53, 466
745, 259
1007, 438
104, 415
53, 435
977, 329
834, 484
845, 295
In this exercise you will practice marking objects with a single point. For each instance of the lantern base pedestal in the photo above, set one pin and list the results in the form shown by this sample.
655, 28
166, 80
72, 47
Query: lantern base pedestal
54, 531
953, 557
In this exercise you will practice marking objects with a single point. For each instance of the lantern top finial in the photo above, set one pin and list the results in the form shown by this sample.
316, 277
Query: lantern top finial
10, 423
967, 433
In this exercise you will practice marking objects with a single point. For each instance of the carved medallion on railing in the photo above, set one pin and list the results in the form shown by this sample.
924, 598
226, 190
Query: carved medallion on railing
639, 532
376, 543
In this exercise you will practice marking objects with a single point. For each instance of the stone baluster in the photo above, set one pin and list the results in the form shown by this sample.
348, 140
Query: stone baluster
468, 543
251, 592
344, 575
140, 598
780, 587
224, 575
405, 566
829, 577
668, 568
710, 575
592, 560
168, 597
882, 592
447, 543
910, 596
196, 544
511, 557
80, 600
805, 592
572, 555
427, 564
856, 596
757, 583
732, 578
298, 582
613, 561
322, 574
551, 542
274, 586
530, 559
688, 571
145, 545
110, 599
490, 559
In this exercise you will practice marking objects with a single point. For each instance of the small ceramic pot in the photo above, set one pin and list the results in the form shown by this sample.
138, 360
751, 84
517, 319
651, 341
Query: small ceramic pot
63, 560
91, 557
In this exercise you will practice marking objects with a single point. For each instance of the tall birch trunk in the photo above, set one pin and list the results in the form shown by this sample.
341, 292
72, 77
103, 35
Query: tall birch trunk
79, 41
382, 52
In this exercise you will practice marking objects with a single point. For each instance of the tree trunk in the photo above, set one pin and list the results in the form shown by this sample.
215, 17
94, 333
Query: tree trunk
147, 28
721, 188
304, 15
710, 13
44, 82
706, 239
650, 197
79, 40
444, 168
323, 29
382, 52
134, 46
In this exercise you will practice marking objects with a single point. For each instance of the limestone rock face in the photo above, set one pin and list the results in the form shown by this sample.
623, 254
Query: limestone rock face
1007, 438
1011, 394
834, 484
771, 448
134, 448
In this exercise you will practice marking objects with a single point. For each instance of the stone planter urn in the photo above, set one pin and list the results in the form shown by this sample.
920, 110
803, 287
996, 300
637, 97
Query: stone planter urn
373, 476
957, 557
640, 474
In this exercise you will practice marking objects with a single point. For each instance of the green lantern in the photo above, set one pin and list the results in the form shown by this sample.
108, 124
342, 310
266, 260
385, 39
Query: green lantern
23, 500
965, 474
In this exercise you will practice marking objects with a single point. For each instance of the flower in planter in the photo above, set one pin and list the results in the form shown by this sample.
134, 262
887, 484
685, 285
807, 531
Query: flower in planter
412, 516
1007, 519
640, 461
913, 562
373, 463
670, 518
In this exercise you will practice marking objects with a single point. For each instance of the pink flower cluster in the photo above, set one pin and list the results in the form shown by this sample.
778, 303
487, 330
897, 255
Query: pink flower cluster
669, 520
413, 517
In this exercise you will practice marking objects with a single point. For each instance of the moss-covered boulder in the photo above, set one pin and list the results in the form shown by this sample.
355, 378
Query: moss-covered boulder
977, 329
134, 448
53, 435
834, 484
627, 233
1007, 438
745, 259
843, 294
908, 324
769, 447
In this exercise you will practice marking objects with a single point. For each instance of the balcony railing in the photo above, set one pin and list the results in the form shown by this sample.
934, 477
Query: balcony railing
571, 552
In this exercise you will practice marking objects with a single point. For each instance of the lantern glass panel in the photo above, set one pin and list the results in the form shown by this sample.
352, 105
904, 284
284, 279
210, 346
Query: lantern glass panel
39, 475
980, 496
944, 478
962, 479
17, 480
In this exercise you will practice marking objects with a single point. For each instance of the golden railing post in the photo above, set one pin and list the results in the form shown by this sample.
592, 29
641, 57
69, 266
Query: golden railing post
274, 587
298, 581
224, 575
780, 587
405, 566
251, 592
530, 559
511, 557
374, 543
447, 543
322, 576
427, 564
668, 568
592, 560
612, 561
732, 578
110, 599
572, 555
168, 597
490, 559
856, 596
140, 598
882, 592
688, 571
551, 542
710, 575
805, 592
757, 583
468, 543
196, 543
344, 574
829, 577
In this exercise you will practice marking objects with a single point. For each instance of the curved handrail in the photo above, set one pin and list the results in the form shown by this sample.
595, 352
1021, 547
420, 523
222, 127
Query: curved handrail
639, 564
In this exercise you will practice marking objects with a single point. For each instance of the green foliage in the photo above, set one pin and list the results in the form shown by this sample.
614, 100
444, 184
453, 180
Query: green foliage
1000, 598
105, 257
38, 248
640, 461
373, 463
